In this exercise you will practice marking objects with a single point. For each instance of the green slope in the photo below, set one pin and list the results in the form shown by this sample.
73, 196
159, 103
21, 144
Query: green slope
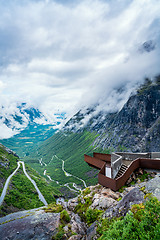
69, 147
21, 193
62, 146
8, 163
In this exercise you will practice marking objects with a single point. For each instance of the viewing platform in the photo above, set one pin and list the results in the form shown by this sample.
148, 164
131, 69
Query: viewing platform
116, 168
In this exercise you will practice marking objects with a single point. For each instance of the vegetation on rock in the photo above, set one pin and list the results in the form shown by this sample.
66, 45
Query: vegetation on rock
141, 223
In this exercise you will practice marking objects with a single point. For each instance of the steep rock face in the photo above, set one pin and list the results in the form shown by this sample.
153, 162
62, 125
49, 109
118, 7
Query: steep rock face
136, 127
33, 224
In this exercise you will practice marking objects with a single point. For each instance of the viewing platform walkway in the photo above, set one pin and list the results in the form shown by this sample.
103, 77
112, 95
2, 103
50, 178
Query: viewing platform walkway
116, 168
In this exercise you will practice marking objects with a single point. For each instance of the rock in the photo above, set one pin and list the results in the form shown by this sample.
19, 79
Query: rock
92, 188
66, 228
129, 181
88, 196
95, 203
32, 224
129, 189
138, 181
135, 196
153, 186
4, 164
152, 175
77, 226
96, 196
98, 188
107, 192
75, 237
72, 203
91, 231
133, 176
103, 203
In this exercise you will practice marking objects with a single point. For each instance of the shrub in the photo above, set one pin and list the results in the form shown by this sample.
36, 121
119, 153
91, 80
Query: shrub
86, 192
144, 176
60, 234
64, 216
81, 208
92, 215
141, 223
53, 207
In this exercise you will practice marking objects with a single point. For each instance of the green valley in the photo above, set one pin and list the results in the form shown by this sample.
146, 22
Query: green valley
62, 156
29, 138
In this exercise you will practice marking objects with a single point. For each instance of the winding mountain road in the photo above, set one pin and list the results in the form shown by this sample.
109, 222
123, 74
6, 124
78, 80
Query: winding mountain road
41, 197
7, 184
75, 187
69, 174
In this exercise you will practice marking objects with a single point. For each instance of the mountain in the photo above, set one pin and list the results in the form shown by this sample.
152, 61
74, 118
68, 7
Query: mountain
14, 119
60, 158
27, 127
29, 138
136, 127
18, 117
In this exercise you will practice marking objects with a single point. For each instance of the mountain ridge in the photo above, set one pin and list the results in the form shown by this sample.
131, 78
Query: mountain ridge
133, 127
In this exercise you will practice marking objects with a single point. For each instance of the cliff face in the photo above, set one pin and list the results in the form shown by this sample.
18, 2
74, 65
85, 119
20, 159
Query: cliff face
136, 127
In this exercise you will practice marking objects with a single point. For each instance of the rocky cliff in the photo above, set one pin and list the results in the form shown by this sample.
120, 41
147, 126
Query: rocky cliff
136, 127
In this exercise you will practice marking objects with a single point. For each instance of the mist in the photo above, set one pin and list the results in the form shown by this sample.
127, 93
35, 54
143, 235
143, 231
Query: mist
62, 56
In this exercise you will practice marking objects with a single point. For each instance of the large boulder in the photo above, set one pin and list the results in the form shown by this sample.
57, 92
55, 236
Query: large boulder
135, 196
77, 225
107, 192
153, 186
101, 202
33, 224
72, 203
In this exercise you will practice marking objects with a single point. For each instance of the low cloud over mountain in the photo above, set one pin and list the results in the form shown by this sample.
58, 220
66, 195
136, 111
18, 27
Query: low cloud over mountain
59, 56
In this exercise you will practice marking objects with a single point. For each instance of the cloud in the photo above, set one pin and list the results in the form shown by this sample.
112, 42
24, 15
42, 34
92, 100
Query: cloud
6, 132
60, 56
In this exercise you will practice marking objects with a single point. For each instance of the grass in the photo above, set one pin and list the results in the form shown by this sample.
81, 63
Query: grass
28, 139
21, 194
8, 163
54, 208
71, 148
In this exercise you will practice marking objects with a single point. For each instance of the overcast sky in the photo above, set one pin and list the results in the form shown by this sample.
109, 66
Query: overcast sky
67, 54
